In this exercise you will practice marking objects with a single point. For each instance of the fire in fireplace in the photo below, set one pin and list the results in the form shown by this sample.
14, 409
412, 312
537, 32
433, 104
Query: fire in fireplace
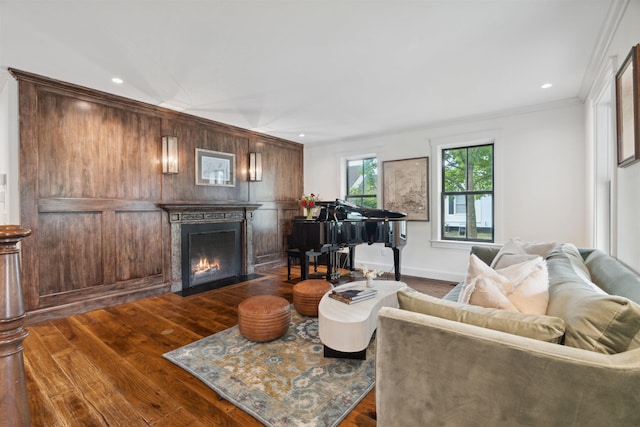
204, 271
210, 253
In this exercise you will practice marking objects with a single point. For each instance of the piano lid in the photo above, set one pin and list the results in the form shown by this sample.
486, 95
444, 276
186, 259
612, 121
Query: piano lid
341, 210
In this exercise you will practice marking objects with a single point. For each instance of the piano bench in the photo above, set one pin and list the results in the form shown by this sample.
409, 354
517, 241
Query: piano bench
295, 254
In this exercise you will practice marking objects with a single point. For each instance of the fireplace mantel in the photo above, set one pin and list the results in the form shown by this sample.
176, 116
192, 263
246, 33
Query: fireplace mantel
193, 212
198, 212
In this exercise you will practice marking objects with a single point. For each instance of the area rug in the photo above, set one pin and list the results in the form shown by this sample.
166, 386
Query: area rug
285, 382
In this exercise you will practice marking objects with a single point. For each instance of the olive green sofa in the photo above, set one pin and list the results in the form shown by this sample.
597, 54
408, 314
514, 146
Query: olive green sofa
434, 371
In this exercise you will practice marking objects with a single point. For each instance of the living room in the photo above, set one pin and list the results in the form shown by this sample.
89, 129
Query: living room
550, 182
567, 132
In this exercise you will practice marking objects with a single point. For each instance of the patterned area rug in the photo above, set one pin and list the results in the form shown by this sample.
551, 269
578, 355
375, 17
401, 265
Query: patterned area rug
285, 382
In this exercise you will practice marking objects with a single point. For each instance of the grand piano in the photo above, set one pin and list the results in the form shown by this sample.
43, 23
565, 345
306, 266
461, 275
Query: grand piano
340, 225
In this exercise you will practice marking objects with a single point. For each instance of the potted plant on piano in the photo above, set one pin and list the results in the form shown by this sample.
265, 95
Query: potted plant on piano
308, 203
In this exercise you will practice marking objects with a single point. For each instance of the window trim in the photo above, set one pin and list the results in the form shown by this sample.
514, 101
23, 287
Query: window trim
470, 139
345, 169
444, 194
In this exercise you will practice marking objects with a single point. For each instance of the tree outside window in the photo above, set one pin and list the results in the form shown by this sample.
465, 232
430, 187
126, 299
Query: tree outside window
467, 193
362, 182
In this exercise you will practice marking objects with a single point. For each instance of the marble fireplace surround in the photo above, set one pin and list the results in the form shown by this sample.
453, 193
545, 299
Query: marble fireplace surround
206, 213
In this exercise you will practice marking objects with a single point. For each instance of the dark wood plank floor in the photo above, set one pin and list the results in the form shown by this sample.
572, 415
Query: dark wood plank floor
105, 367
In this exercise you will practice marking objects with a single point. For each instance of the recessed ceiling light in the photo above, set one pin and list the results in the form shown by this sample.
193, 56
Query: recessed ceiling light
117, 80
301, 135
546, 85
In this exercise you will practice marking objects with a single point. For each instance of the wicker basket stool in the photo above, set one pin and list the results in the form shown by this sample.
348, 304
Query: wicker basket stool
264, 317
307, 295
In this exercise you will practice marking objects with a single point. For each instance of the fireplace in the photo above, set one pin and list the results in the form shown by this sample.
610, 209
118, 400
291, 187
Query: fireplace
210, 252
211, 243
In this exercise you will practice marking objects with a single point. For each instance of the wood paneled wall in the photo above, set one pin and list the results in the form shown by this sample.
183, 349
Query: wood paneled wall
91, 181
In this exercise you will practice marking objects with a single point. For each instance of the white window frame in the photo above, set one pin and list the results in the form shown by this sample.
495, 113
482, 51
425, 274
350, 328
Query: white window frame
456, 141
602, 140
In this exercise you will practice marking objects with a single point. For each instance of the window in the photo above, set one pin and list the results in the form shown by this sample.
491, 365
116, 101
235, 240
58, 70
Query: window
467, 193
362, 182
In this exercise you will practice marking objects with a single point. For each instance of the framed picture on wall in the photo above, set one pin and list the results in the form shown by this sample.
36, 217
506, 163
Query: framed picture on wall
406, 187
215, 168
627, 109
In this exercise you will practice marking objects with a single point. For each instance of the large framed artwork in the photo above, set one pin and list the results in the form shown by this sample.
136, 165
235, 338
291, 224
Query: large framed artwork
215, 168
627, 109
406, 187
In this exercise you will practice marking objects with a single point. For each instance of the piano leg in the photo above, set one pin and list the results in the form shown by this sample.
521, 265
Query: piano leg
352, 257
304, 266
333, 263
336, 265
330, 265
396, 263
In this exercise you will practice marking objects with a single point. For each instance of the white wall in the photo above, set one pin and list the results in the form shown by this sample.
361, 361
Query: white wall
10, 210
626, 191
540, 170
628, 179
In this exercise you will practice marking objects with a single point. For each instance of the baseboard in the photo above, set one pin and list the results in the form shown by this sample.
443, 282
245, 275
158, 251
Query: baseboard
435, 274
50, 313
447, 276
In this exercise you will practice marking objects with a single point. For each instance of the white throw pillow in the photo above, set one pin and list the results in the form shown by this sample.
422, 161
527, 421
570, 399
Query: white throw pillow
516, 250
506, 260
484, 286
520, 287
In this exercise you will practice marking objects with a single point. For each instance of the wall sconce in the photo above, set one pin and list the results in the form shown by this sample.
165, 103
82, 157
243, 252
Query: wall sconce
255, 167
169, 154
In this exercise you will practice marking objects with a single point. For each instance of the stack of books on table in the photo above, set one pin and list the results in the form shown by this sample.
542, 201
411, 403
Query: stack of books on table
353, 295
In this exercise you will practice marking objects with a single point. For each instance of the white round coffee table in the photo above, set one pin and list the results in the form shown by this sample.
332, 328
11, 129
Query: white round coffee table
346, 329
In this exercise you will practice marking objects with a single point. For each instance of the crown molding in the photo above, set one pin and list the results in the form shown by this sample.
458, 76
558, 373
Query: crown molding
458, 120
599, 59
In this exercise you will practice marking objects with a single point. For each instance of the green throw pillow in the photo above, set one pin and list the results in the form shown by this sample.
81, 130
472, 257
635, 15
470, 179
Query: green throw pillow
594, 320
613, 276
537, 326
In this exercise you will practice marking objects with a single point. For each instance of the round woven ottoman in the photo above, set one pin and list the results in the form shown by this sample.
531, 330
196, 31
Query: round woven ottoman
307, 295
263, 317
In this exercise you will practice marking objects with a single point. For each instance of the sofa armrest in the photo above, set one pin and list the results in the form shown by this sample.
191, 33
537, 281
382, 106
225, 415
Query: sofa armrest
432, 371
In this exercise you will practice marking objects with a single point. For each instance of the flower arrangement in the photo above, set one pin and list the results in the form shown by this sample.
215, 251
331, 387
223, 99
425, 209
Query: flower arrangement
308, 202
370, 274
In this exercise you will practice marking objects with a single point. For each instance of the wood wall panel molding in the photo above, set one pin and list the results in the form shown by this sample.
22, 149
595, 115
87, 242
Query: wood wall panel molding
27, 100
109, 250
96, 301
280, 166
105, 98
91, 186
266, 240
116, 152
112, 290
95, 205
271, 242
53, 86
70, 260
138, 237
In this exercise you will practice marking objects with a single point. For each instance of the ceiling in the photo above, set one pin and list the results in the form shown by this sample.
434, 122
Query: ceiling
331, 70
